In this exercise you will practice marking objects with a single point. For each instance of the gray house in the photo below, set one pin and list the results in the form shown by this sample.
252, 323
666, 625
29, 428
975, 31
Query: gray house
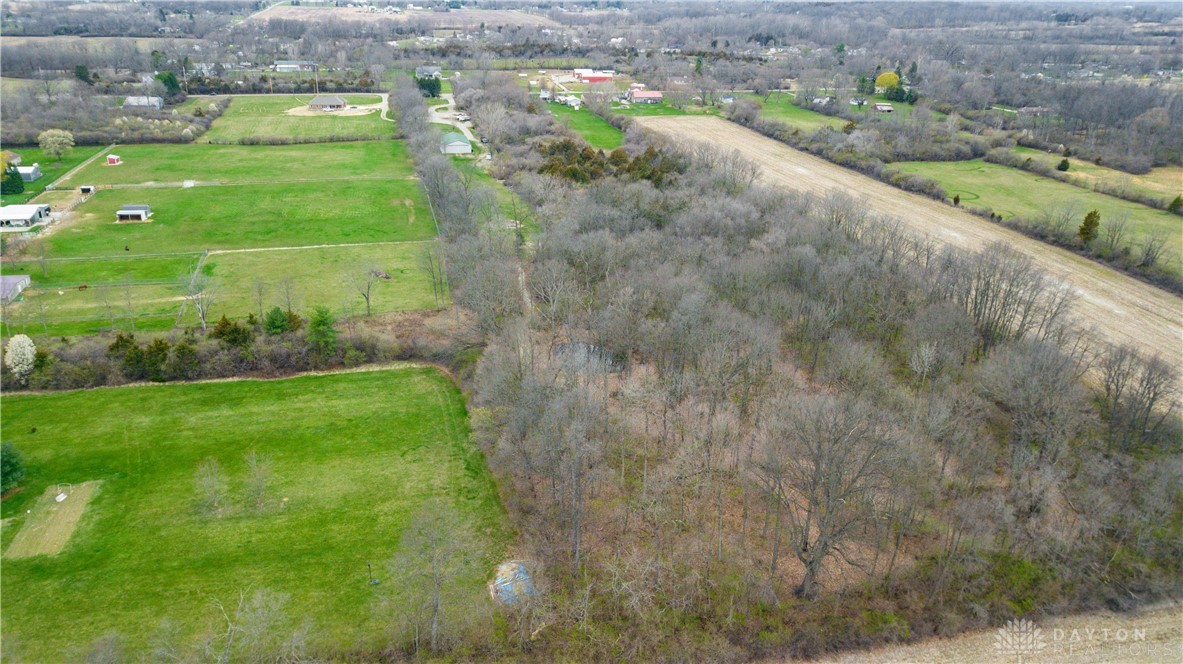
144, 102
23, 216
428, 72
326, 103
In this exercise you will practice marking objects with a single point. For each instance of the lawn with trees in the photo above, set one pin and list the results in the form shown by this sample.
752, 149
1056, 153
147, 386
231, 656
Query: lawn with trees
51, 169
279, 492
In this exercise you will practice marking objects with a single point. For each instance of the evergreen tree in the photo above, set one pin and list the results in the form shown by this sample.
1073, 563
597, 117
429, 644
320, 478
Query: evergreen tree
1088, 228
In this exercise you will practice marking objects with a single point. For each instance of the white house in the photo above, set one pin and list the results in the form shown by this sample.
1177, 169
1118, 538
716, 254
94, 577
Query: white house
29, 173
144, 102
23, 216
455, 143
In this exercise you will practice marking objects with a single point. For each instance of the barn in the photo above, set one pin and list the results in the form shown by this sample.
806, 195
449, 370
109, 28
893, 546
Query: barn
134, 213
144, 102
291, 66
455, 143
29, 173
327, 103
593, 76
23, 216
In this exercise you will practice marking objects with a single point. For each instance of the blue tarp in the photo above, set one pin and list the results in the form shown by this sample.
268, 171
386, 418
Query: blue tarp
511, 583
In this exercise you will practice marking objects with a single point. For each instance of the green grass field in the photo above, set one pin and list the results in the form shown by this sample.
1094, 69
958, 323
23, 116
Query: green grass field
319, 278
780, 107
249, 163
594, 129
264, 116
354, 456
647, 110
1011, 192
50, 170
1164, 182
234, 217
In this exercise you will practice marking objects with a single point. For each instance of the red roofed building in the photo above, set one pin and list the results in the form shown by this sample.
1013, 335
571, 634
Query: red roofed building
645, 97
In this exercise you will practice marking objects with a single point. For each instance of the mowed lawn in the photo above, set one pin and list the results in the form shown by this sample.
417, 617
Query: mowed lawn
243, 216
1012, 192
264, 116
1163, 182
594, 129
57, 312
354, 456
50, 170
320, 277
249, 163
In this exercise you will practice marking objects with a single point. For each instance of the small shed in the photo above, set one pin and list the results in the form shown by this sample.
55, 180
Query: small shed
23, 216
86, 189
11, 286
134, 213
883, 107
114, 160
455, 143
327, 103
144, 102
29, 173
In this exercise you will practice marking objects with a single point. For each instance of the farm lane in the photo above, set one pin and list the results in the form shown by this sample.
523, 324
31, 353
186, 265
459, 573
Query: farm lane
1121, 308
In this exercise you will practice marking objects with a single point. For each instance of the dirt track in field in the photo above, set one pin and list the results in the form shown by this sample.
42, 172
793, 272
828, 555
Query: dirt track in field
1121, 308
1150, 635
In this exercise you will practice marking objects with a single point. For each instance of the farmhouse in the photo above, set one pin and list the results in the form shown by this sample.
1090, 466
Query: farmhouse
645, 97
454, 143
883, 107
592, 76
11, 286
428, 72
134, 213
144, 102
18, 216
327, 103
29, 173
294, 65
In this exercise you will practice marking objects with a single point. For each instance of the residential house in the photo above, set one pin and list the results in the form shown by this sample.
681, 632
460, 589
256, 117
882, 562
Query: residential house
428, 72
12, 158
327, 103
645, 96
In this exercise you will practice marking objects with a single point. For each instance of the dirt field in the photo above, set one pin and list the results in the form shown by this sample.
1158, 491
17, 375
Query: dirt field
1121, 308
48, 528
465, 19
1153, 635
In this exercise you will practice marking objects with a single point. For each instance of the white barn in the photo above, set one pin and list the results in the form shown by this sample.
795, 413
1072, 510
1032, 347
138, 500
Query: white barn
23, 216
455, 143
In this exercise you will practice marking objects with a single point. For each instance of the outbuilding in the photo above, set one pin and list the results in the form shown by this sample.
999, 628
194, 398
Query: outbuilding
11, 158
23, 216
133, 213
455, 143
29, 173
645, 97
883, 107
290, 66
144, 102
327, 103
11, 286
114, 160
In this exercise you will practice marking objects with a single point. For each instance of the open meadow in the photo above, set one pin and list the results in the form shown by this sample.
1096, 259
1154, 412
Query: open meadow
780, 107
594, 129
1012, 192
351, 459
266, 116
303, 215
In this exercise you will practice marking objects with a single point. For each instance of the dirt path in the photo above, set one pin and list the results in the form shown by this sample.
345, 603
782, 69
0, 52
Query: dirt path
1151, 635
1121, 308
446, 115
213, 252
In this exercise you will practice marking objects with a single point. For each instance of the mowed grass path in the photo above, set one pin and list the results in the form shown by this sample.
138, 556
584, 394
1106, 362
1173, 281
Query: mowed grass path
249, 163
264, 116
594, 129
355, 455
1012, 192
50, 169
232, 217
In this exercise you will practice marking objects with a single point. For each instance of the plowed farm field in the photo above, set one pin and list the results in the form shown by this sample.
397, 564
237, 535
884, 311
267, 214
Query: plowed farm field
1120, 308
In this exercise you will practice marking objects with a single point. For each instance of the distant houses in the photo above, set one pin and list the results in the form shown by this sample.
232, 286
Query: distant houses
327, 103
23, 216
144, 102
291, 66
427, 71
455, 143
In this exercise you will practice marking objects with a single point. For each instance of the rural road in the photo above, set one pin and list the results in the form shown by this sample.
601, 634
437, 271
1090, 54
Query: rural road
446, 115
1121, 308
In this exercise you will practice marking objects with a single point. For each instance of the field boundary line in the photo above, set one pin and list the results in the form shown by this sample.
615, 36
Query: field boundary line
127, 257
242, 183
313, 246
